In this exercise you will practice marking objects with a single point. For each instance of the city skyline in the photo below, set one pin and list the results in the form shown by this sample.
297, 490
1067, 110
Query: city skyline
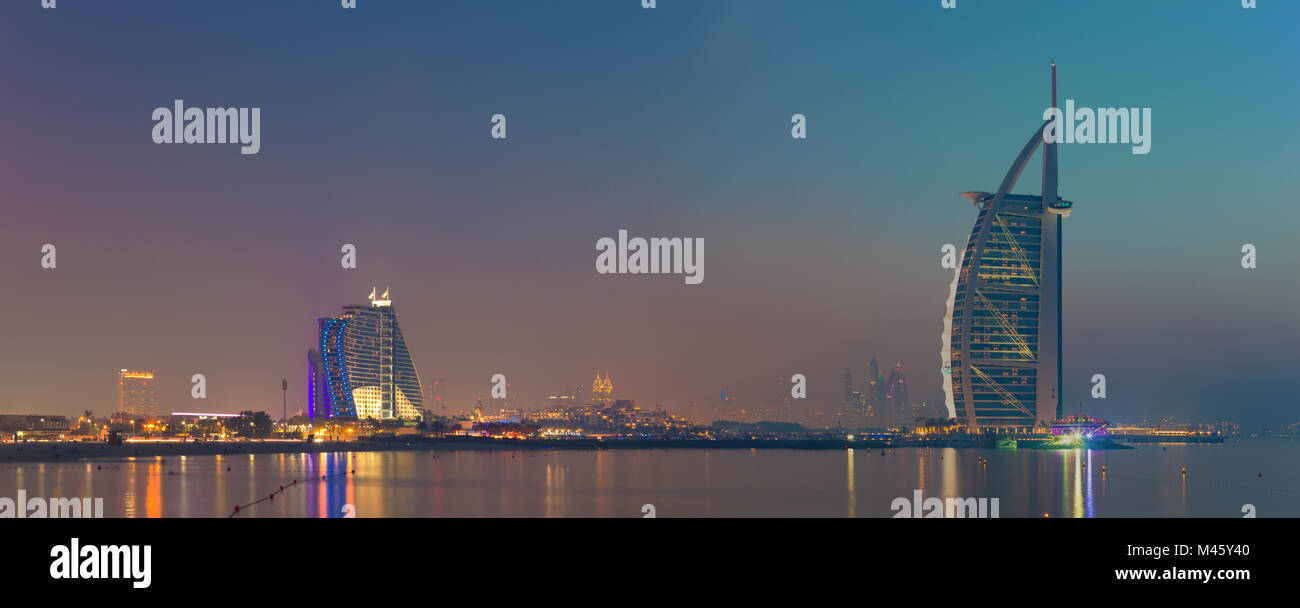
413, 263
822, 253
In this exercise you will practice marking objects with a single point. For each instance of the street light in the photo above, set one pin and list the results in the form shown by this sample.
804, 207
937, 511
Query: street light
284, 401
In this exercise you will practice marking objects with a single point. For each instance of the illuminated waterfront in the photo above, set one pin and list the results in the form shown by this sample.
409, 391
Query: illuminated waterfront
1142, 482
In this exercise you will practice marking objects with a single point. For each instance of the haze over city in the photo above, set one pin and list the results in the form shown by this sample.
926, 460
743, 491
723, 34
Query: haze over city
821, 253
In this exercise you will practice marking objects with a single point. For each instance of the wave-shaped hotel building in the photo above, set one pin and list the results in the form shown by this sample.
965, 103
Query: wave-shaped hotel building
361, 368
1002, 338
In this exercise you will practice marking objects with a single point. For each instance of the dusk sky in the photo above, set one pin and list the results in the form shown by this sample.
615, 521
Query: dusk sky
673, 122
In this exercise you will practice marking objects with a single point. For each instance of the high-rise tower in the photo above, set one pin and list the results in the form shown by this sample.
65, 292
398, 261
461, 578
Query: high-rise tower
901, 404
1004, 344
362, 368
136, 393
874, 391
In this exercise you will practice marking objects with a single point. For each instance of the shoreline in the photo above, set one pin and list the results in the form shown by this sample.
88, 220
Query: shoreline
85, 451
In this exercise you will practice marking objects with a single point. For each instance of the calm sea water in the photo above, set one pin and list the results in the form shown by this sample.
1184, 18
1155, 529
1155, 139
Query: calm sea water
1143, 482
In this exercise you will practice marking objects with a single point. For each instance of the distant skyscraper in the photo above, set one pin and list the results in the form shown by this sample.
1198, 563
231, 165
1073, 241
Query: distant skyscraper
901, 406
1004, 347
362, 368
874, 391
439, 385
136, 393
855, 406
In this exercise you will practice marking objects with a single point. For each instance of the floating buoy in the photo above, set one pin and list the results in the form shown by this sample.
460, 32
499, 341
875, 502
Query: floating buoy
1261, 473
1184, 471
236, 508
1103, 468
1045, 515
272, 495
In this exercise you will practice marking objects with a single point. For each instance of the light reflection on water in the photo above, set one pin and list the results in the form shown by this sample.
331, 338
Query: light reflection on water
1143, 482
853, 502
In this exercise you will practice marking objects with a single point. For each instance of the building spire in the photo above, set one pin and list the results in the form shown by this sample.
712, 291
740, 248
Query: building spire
1053, 83
1049, 154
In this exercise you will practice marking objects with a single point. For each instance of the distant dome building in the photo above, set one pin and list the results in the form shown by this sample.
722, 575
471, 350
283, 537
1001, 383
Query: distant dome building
602, 389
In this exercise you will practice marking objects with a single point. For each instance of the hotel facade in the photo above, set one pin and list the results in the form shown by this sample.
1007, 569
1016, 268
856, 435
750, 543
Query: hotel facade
136, 393
361, 367
1002, 335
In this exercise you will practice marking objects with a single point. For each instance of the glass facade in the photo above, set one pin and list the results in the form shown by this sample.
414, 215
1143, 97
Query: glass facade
362, 368
1002, 332
997, 317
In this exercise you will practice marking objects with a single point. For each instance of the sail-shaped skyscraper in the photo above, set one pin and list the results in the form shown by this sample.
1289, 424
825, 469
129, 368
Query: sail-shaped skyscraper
1004, 340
